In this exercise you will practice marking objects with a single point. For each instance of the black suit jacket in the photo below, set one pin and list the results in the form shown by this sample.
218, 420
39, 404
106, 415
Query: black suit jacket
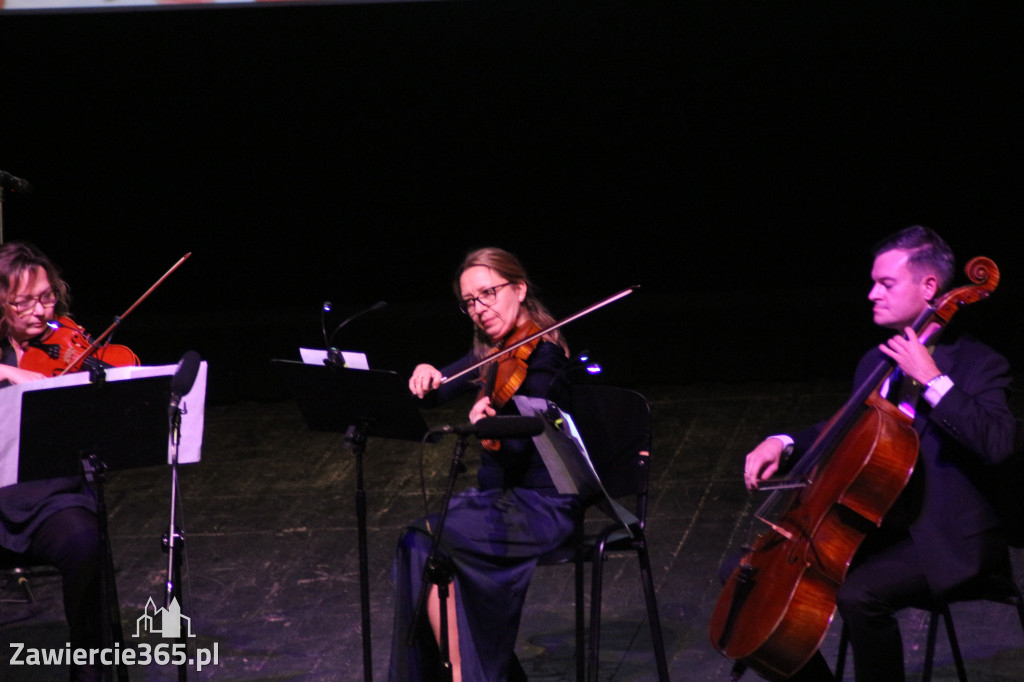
946, 508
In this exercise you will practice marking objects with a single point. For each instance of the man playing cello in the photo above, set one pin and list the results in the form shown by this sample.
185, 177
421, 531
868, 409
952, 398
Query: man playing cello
943, 529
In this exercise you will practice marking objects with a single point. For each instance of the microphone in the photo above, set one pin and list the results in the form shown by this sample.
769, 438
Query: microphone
184, 377
333, 354
497, 427
324, 309
13, 183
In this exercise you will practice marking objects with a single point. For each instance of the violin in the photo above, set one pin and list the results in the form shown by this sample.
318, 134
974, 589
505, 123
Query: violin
504, 376
67, 348
509, 374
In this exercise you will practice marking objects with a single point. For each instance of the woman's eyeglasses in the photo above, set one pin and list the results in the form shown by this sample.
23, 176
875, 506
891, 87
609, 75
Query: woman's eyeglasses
487, 297
23, 304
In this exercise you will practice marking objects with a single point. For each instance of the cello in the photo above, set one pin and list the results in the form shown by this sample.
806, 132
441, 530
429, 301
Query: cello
775, 608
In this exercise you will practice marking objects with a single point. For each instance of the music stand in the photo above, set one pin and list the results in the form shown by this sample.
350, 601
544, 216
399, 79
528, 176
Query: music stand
565, 456
122, 422
360, 404
91, 429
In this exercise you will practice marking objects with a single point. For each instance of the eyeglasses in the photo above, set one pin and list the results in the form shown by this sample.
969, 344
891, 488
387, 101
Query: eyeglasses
486, 298
23, 304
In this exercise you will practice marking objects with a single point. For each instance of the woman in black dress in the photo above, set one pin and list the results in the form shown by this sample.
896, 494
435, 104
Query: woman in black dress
494, 533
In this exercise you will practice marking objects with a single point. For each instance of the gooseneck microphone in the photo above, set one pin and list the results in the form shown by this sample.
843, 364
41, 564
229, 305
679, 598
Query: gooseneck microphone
379, 305
497, 427
324, 309
333, 354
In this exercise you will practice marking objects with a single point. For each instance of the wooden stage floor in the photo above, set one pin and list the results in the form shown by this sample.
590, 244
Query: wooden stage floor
272, 577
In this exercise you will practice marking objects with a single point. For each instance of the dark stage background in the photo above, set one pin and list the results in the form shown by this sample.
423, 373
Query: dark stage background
736, 159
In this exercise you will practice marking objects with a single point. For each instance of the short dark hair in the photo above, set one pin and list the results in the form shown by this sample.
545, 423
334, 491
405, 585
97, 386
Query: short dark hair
929, 253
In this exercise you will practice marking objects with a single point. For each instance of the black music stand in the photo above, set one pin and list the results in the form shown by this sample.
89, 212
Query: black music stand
88, 430
124, 423
358, 403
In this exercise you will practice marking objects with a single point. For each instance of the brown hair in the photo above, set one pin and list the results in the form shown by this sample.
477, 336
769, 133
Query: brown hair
508, 266
17, 258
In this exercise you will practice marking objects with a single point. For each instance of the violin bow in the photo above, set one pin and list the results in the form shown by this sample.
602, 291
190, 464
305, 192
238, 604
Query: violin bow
561, 323
120, 318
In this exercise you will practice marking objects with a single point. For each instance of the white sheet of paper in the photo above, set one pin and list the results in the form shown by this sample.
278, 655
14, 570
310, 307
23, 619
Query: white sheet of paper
313, 356
192, 420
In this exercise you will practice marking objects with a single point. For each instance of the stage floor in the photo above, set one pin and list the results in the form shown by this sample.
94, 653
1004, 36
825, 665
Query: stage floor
271, 577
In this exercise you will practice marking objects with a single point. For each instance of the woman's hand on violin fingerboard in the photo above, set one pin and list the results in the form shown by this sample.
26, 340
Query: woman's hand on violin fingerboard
19, 376
481, 408
425, 378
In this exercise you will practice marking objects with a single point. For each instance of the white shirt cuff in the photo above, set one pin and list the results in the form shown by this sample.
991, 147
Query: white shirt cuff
787, 443
937, 388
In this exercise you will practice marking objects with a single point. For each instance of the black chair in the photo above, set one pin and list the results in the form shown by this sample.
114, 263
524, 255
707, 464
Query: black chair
616, 427
20, 576
998, 587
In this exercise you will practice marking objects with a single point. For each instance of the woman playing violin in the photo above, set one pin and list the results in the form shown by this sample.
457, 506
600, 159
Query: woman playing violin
53, 521
494, 534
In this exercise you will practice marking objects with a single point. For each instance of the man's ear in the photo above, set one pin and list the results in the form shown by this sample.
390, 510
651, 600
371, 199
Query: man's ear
931, 286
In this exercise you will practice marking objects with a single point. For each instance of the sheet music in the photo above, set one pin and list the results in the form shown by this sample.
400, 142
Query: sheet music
192, 420
565, 455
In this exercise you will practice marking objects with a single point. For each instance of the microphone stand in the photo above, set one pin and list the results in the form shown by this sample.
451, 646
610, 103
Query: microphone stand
174, 538
355, 439
439, 572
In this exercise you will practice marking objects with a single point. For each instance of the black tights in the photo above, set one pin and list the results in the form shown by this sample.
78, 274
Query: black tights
69, 540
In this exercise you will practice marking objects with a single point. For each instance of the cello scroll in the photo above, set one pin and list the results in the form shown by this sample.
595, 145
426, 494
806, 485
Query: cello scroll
985, 275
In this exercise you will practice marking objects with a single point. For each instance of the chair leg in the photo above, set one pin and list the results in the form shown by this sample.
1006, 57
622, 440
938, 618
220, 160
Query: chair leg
581, 640
657, 638
19, 577
1019, 603
595, 612
23, 583
954, 644
844, 643
929, 647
